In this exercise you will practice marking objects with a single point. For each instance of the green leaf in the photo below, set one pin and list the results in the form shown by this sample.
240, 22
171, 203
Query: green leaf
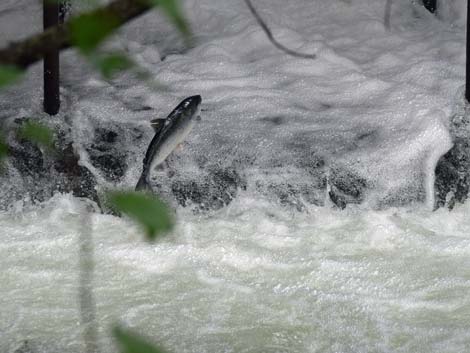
111, 64
133, 343
146, 209
37, 133
89, 30
3, 149
175, 13
9, 74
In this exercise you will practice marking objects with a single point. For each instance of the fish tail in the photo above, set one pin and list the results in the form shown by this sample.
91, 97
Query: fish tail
142, 184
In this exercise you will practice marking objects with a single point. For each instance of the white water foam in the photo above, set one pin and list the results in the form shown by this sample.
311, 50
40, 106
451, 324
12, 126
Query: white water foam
251, 278
256, 276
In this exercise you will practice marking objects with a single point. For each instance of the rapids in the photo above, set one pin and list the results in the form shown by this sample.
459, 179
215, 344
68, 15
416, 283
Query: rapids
273, 267
250, 278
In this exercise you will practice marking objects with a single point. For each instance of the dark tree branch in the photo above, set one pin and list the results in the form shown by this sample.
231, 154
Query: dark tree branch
271, 38
33, 49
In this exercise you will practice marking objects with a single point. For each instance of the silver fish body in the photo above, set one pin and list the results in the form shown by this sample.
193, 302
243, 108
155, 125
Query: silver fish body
169, 133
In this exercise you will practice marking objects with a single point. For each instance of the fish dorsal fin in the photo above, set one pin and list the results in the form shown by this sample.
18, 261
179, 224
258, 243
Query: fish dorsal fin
157, 125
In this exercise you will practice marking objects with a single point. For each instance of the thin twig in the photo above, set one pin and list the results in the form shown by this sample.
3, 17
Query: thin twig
271, 38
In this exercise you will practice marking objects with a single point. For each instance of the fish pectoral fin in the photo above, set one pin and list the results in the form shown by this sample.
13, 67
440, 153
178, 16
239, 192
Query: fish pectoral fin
180, 147
162, 166
142, 184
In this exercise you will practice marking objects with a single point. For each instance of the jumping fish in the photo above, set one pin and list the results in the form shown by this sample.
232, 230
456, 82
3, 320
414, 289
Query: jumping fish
169, 133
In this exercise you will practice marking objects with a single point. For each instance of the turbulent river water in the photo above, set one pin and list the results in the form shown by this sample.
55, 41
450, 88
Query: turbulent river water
250, 278
260, 274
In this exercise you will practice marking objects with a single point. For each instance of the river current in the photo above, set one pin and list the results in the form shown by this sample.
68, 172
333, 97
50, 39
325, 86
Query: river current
258, 273
251, 278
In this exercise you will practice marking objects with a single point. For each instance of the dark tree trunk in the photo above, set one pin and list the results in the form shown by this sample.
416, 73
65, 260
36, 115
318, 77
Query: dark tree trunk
51, 62
430, 5
467, 74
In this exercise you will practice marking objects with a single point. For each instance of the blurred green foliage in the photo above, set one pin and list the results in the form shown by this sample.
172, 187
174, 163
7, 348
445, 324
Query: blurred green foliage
130, 342
146, 209
110, 64
9, 74
174, 12
37, 133
90, 30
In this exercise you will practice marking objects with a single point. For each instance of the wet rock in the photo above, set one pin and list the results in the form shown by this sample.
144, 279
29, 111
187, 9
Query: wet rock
106, 155
299, 182
27, 158
452, 181
345, 187
287, 195
297, 195
106, 136
25, 347
35, 174
404, 196
113, 167
74, 178
213, 192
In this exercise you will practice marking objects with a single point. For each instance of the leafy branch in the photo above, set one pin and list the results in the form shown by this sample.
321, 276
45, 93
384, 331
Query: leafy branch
85, 31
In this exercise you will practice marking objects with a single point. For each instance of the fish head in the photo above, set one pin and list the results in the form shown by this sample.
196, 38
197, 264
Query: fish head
193, 106
188, 109
189, 114
185, 112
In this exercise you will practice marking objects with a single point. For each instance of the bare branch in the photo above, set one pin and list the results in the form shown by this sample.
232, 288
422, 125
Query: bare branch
33, 49
271, 38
